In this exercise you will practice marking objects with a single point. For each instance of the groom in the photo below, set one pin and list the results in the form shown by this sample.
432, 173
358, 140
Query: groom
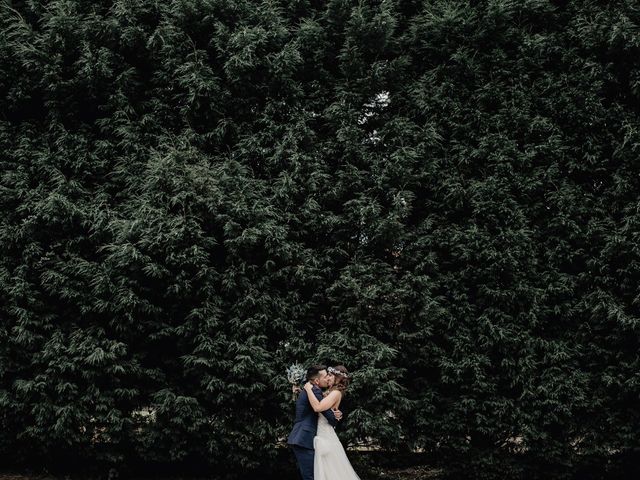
306, 423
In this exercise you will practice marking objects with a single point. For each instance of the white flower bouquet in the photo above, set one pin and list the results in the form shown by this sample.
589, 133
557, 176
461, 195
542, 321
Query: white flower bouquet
295, 374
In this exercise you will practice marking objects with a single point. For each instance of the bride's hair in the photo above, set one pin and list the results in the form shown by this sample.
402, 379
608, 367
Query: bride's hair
342, 377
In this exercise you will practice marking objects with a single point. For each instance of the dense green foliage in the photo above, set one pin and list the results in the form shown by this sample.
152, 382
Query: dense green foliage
442, 195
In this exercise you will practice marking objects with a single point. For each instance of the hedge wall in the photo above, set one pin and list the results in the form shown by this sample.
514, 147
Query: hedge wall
442, 195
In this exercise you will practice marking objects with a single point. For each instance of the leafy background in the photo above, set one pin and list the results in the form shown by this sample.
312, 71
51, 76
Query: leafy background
442, 195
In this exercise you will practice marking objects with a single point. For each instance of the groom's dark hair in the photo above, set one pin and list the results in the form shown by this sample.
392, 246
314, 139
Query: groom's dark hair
314, 370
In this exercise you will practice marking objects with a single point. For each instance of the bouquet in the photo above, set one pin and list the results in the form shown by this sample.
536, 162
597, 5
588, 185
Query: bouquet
295, 375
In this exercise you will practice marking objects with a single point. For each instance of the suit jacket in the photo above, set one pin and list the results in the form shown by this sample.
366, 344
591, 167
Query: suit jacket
306, 422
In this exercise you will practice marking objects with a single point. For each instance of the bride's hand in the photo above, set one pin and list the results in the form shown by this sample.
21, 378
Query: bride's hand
308, 386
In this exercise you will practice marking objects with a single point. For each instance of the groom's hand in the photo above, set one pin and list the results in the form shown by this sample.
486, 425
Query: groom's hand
338, 414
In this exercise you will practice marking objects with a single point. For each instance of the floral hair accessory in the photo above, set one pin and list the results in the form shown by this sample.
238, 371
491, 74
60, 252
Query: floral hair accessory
337, 372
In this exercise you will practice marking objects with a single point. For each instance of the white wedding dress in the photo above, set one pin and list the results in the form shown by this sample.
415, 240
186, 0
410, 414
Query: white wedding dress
330, 462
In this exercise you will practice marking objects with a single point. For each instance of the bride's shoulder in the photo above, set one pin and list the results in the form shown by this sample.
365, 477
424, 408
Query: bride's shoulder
334, 393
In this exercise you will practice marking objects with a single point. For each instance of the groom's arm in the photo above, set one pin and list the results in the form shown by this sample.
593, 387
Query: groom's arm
329, 415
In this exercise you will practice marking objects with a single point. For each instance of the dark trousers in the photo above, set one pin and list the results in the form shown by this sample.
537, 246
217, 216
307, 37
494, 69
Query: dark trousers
304, 458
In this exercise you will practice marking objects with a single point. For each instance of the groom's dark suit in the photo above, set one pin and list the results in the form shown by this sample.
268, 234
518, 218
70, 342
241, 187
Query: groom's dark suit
304, 429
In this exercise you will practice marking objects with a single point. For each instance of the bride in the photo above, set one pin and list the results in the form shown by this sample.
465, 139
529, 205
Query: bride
330, 461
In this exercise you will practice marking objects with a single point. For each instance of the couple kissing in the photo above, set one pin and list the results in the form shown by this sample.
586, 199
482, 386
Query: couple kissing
318, 450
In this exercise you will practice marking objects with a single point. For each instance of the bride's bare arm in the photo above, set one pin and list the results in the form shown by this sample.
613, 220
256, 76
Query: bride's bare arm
326, 403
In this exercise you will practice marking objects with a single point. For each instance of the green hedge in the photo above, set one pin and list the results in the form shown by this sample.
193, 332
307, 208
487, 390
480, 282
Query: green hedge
442, 195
